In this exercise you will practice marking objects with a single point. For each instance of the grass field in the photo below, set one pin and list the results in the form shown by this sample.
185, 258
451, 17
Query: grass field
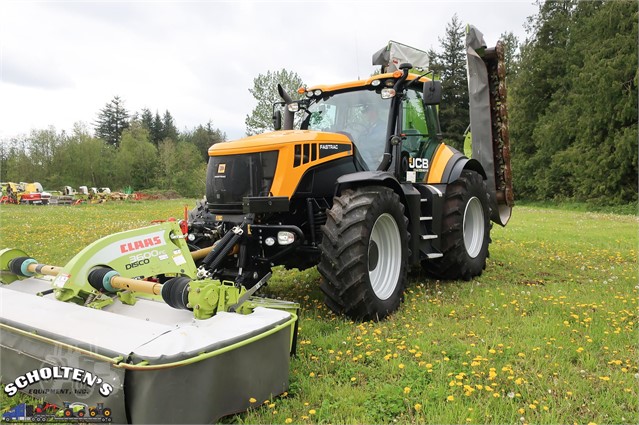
548, 334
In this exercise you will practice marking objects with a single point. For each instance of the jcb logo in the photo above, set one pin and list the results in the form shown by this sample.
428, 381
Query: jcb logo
418, 164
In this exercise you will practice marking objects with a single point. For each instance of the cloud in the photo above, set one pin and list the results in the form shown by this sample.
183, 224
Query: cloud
198, 59
42, 74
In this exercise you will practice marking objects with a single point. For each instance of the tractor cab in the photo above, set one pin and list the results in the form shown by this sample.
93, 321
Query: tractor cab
370, 112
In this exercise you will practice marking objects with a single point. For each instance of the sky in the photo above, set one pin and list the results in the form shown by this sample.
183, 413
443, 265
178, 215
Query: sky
62, 61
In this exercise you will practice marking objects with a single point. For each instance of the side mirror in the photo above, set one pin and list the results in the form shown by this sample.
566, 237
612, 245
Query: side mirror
432, 92
277, 120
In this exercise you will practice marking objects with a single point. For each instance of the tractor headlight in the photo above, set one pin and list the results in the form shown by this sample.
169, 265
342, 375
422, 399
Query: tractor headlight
191, 237
285, 238
293, 107
269, 241
388, 93
317, 92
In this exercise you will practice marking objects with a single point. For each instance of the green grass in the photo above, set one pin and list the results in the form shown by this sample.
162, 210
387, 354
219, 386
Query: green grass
548, 334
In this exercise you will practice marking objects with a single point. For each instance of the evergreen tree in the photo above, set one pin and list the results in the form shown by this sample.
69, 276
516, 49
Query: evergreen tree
511, 52
156, 132
433, 63
146, 118
203, 137
265, 92
169, 131
112, 121
573, 104
451, 63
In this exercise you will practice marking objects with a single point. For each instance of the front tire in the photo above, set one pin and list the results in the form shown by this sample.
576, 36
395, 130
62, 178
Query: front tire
465, 230
365, 253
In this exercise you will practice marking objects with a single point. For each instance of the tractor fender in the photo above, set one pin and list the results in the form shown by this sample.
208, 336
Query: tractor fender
448, 164
367, 178
465, 164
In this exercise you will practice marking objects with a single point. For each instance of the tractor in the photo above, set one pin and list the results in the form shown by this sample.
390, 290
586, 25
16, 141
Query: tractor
364, 189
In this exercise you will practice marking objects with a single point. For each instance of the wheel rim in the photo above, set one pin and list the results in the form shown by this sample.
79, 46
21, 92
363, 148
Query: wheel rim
473, 227
384, 256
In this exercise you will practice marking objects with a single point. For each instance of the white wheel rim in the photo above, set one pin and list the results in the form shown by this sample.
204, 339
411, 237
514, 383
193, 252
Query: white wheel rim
384, 256
473, 227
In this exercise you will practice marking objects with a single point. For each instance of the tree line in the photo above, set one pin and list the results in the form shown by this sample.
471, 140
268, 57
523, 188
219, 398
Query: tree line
137, 151
572, 104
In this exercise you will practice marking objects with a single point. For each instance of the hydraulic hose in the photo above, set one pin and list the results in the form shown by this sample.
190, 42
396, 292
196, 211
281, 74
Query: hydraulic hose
221, 250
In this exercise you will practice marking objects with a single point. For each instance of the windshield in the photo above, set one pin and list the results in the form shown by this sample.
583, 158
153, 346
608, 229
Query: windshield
362, 115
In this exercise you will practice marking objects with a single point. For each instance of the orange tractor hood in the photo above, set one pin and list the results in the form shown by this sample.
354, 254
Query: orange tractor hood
274, 141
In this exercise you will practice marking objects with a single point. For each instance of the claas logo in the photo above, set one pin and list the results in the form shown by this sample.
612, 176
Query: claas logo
140, 244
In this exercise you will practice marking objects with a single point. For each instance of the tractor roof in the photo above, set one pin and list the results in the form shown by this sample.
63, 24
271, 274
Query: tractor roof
362, 83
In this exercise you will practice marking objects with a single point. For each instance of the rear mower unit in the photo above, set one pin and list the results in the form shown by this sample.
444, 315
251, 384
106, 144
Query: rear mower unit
132, 322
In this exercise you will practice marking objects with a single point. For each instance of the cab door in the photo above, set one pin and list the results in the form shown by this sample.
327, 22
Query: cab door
420, 139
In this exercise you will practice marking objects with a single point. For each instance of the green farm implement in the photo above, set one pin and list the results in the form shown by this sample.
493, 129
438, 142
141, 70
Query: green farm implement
132, 322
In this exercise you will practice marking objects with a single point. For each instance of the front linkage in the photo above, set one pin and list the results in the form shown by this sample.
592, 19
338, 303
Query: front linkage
247, 251
154, 262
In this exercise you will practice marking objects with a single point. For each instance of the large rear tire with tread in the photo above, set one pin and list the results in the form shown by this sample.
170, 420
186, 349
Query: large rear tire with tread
465, 230
364, 250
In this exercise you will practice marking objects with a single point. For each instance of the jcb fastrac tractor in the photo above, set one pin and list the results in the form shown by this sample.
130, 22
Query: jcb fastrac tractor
365, 189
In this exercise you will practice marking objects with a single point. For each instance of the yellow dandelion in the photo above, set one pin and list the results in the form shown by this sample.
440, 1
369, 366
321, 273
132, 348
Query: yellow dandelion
532, 406
401, 366
288, 420
521, 411
450, 398
417, 407
604, 378
312, 374
496, 395
406, 390
312, 412
353, 379
252, 400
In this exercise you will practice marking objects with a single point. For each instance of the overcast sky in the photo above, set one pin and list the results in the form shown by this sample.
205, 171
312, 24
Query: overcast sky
62, 61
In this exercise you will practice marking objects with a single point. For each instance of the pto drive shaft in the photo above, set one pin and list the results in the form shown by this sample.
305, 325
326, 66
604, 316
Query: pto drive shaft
108, 279
102, 279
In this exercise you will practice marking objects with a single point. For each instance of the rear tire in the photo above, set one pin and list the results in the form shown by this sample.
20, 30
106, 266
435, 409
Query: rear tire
465, 230
365, 253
